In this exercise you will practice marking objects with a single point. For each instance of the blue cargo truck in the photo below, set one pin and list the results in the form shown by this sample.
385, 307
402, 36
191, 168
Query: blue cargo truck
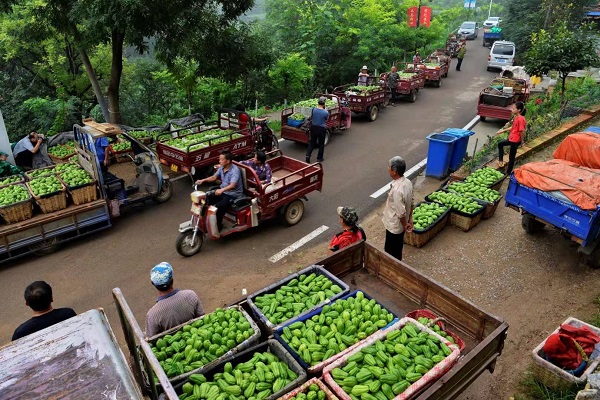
490, 36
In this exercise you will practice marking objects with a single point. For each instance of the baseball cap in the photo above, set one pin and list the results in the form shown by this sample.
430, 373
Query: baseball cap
161, 274
322, 100
3, 154
348, 214
364, 67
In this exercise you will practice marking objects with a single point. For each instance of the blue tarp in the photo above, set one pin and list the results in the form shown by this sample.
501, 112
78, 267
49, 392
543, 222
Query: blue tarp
593, 13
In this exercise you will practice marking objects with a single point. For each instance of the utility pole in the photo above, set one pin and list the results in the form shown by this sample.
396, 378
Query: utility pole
490, 11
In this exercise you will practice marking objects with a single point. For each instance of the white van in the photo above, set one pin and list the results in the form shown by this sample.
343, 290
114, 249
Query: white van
501, 55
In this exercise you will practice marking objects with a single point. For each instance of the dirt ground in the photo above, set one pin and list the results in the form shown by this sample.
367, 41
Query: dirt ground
533, 282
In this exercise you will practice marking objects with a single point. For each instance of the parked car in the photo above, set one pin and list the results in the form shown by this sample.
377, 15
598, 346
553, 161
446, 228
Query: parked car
501, 55
492, 21
469, 29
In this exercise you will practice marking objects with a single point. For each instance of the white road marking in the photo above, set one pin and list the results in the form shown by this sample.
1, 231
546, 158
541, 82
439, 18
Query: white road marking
180, 177
420, 165
299, 243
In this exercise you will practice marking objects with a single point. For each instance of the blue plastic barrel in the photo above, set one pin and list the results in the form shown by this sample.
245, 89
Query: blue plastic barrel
593, 129
438, 154
460, 147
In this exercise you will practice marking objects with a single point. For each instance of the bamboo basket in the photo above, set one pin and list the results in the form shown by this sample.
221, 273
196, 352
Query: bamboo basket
420, 238
490, 209
84, 193
17, 212
51, 202
47, 171
463, 222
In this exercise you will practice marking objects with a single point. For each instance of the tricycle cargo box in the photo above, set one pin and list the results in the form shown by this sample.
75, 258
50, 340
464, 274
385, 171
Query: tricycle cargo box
498, 100
250, 341
271, 346
269, 326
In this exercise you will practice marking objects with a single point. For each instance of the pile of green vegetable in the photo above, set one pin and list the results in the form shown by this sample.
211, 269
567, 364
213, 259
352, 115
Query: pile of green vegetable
61, 151
142, 134
313, 392
73, 175
436, 329
297, 117
337, 327
364, 90
406, 75
456, 202
485, 176
387, 368
121, 146
45, 185
202, 341
312, 103
475, 191
296, 296
41, 172
426, 214
258, 378
58, 168
431, 65
13, 194
10, 179
201, 140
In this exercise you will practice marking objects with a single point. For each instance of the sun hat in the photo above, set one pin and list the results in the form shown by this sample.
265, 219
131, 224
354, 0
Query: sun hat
348, 214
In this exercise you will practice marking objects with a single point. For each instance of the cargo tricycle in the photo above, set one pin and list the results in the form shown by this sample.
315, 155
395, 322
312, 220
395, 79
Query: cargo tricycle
364, 99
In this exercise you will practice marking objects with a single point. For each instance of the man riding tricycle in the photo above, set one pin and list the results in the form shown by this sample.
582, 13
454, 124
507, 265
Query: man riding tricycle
242, 201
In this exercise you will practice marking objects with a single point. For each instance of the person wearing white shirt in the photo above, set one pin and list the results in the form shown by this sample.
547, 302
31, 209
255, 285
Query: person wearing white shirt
397, 214
26, 148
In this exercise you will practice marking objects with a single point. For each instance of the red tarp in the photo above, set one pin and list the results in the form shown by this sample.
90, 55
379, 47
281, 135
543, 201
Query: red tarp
581, 148
581, 185
561, 349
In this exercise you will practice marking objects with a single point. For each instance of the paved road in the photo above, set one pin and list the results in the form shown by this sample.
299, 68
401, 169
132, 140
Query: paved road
84, 272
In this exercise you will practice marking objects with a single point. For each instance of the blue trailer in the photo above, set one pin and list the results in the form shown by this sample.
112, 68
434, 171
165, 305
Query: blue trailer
556, 210
490, 37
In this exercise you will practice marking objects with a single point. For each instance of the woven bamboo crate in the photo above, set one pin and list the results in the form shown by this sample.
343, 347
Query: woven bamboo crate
123, 156
490, 209
19, 182
52, 201
17, 212
463, 222
83, 194
419, 239
47, 171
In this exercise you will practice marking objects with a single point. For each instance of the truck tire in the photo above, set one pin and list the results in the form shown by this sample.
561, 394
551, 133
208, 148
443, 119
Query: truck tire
373, 112
482, 118
438, 83
166, 191
593, 260
45, 247
292, 213
184, 244
327, 138
412, 97
531, 225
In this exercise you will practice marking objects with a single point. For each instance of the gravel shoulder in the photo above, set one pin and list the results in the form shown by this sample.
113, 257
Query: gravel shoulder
533, 282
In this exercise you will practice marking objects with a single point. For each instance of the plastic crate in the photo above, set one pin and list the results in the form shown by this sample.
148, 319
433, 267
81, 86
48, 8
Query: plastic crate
419, 238
434, 374
319, 367
207, 367
416, 314
295, 123
319, 270
272, 346
302, 389
556, 377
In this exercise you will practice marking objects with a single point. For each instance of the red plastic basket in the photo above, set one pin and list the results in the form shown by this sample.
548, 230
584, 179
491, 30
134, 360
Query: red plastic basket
416, 314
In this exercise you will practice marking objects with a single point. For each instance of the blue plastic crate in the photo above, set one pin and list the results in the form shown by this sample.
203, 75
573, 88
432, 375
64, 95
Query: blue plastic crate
584, 224
295, 123
278, 332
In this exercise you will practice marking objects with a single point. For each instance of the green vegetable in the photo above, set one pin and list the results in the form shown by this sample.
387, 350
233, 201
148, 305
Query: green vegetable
312, 103
41, 172
201, 140
475, 191
73, 175
10, 179
13, 194
62, 151
297, 117
121, 146
456, 202
485, 177
426, 214
45, 185
364, 90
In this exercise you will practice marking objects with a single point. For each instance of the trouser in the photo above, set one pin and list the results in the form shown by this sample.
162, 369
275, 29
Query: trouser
222, 202
458, 64
394, 242
512, 153
317, 139
24, 159
394, 94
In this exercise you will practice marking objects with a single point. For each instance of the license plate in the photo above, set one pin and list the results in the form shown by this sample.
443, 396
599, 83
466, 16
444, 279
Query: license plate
174, 168
501, 60
195, 209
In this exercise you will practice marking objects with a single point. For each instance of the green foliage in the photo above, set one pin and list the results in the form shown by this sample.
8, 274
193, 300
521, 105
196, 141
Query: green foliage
531, 388
561, 49
291, 76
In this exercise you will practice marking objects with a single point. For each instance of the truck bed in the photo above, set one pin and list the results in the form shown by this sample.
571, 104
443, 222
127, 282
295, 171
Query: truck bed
403, 289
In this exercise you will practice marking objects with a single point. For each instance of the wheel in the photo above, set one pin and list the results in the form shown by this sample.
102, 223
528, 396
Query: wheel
592, 260
385, 103
438, 83
293, 212
531, 225
373, 112
482, 118
45, 247
413, 96
489, 69
445, 75
327, 138
166, 191
184, 244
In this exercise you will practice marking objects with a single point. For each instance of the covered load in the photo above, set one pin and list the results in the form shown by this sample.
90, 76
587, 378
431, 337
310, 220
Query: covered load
580, 148
579, 184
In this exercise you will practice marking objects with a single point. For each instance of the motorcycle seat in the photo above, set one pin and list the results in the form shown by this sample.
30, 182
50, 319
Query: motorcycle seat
241, 203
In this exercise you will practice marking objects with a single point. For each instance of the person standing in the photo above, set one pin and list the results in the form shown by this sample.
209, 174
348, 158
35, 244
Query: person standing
461, 55
38, 297
173, 306
363, 76
351, 232
26, 148
515, 137
392, 83
397, 214
318, 130
417, 58
101, 145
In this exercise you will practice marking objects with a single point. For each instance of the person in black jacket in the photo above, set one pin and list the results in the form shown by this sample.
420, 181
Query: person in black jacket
38, 297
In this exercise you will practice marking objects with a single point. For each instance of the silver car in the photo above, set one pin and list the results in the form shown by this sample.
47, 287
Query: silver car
469, 29
491, 22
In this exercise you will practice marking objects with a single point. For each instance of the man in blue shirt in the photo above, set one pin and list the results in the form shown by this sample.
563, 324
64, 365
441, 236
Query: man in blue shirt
231, 187
318, 130
101, 144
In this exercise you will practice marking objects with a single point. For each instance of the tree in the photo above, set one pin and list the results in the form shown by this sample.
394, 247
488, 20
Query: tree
561, 49
291, 75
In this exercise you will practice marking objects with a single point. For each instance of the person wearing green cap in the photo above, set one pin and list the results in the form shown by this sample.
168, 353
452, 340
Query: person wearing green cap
6, 168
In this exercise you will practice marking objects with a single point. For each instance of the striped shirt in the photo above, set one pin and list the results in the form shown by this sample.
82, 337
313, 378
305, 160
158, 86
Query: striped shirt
171, 310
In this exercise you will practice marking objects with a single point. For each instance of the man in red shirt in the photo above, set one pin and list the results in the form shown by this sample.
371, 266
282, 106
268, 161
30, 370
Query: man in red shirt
351, 234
